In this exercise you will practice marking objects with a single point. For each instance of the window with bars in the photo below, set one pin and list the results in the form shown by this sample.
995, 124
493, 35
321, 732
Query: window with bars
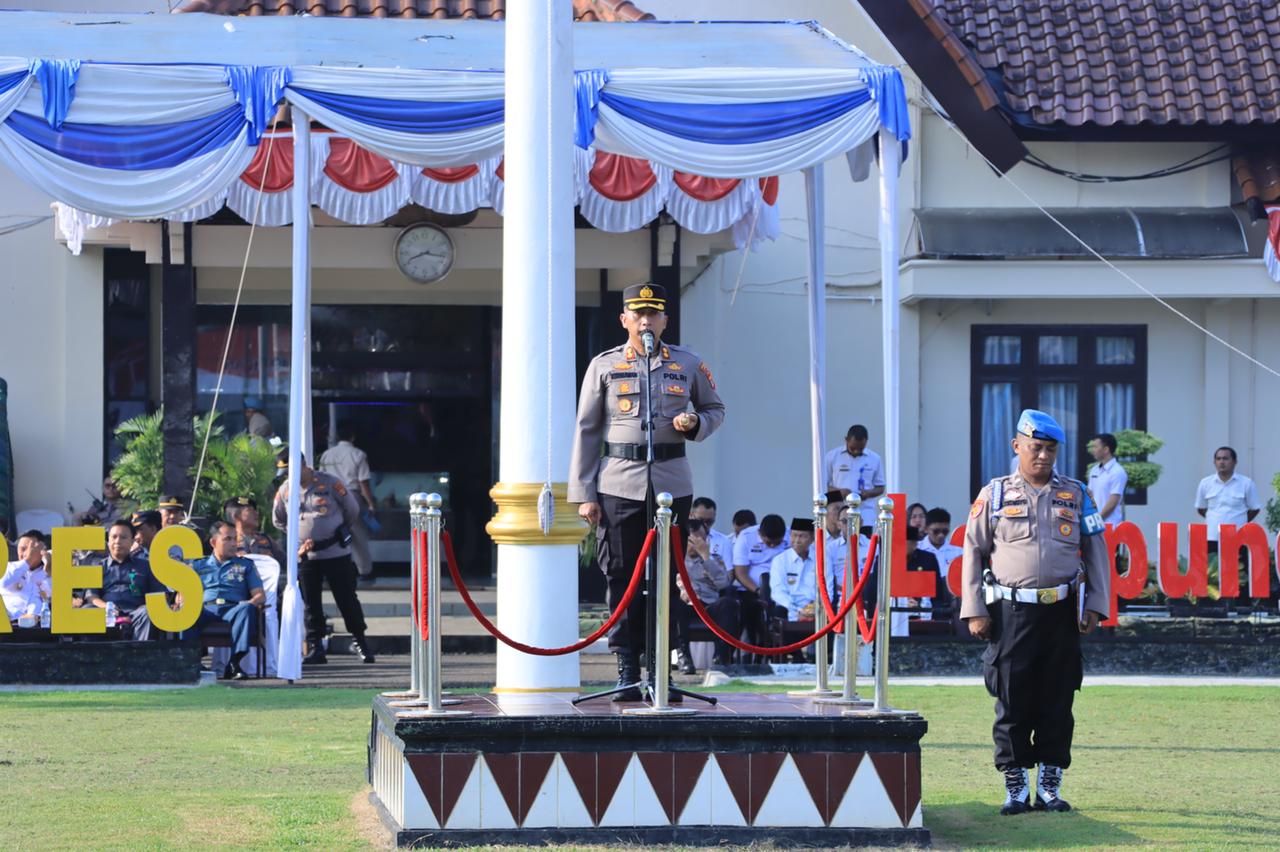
1091, 378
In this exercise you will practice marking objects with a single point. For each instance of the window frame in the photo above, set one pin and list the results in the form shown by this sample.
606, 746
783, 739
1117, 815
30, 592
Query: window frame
1028, 374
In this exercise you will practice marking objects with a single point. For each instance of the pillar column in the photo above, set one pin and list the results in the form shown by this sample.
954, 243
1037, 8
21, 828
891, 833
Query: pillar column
537, 572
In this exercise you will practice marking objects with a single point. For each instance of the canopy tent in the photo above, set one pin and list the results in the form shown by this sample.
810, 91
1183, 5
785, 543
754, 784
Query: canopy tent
137, 116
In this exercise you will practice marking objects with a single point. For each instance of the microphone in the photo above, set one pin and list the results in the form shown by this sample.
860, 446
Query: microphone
646, 337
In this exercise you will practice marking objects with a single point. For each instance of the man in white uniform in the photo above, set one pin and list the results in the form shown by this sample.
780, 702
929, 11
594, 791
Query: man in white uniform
1227, 497
26, 582
1107, 479
704, 509
855, 468
792, 574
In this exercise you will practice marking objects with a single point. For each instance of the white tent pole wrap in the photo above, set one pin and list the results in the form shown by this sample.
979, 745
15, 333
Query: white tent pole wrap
290, 656
816, 199
890, 152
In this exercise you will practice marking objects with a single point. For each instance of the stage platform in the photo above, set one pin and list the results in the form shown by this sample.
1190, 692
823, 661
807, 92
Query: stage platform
536, 768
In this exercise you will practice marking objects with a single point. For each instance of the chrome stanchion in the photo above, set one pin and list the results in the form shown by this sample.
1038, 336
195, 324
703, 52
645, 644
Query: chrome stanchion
430, 668
417, 509
820, 686
661, 665
852, 641
884, 602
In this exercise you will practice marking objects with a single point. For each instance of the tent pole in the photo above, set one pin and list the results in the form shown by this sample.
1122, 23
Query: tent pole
815, 199
890, 152
299, 327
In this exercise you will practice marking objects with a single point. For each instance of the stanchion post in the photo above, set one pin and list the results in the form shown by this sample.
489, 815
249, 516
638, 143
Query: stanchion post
821, 689
661, 665
426, 698
417, 505
852, 562
884, 602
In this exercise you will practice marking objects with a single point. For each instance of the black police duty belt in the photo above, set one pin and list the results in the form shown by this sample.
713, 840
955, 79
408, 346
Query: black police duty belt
638, 452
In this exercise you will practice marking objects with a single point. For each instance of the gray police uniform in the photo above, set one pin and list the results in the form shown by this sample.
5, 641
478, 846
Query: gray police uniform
1025, 551
325, 506
611, 418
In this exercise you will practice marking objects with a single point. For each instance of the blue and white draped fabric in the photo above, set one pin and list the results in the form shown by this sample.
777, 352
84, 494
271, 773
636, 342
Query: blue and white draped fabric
425, 118
740, 122
131, 141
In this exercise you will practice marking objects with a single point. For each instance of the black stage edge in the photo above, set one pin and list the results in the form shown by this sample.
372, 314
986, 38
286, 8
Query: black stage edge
536, 769
85, 662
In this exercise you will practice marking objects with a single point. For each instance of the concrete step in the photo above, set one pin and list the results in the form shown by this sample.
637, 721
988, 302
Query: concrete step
395, 603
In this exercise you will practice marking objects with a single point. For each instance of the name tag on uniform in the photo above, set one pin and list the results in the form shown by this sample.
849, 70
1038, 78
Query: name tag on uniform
1012, 494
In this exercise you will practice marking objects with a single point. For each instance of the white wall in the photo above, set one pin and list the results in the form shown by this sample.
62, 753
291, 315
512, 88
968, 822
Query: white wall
51, 348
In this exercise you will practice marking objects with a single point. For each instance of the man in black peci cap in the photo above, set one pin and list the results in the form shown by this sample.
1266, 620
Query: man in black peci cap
612, 485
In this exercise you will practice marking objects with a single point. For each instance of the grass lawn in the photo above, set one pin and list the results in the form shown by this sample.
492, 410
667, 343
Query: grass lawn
222, 768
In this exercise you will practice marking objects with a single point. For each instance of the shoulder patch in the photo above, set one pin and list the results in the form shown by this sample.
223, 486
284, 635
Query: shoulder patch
706, 371
978, 506
340, 488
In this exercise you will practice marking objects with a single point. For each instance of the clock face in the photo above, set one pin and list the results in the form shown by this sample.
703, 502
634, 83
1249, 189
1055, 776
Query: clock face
424, 253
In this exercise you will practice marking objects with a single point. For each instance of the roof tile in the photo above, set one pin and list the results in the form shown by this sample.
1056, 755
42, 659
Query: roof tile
1123, 62
495, 10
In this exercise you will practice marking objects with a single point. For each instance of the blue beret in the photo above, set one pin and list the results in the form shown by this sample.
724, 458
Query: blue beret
1037, 424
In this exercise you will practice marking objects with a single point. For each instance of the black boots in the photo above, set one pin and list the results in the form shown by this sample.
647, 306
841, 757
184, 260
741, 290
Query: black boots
1017, 798
360, 647
1049, 791
628, 674
316, 656
684, 660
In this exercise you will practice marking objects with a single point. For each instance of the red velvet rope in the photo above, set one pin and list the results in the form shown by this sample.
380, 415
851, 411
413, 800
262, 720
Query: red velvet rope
729, 638
867, 636
488, 625
420, 605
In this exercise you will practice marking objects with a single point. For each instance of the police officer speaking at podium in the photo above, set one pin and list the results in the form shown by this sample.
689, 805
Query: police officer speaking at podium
1035, 577
608, 473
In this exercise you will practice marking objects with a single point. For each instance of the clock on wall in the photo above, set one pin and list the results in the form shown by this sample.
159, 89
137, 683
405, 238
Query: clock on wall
424, 252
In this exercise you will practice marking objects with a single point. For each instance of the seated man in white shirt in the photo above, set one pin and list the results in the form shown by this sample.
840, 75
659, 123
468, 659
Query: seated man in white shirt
26, 582
753, 553
711, 580
937, 529
1107, 479
704, 509
835, 550
742, 519
1227, 497
792, 574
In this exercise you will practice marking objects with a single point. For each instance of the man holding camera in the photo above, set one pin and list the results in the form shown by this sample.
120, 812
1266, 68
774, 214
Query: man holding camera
327, 508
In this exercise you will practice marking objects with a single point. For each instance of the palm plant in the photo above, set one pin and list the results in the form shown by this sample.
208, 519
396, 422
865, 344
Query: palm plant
236, 466
139, 471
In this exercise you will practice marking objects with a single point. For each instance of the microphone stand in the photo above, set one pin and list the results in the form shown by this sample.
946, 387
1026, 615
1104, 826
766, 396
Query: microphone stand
648, 688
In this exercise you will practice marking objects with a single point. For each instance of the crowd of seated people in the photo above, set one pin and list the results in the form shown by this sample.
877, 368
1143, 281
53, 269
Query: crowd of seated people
232, 587
763, 576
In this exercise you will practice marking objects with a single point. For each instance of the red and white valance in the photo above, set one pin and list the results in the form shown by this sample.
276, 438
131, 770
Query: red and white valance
350, 183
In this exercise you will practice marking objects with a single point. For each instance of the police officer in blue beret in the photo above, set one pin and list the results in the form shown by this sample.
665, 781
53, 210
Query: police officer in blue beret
1035, 577
233, 593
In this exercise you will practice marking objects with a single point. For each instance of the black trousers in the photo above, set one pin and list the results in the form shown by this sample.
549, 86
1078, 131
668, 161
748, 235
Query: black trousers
341, 574
1032, 667
619, 537
726, 612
